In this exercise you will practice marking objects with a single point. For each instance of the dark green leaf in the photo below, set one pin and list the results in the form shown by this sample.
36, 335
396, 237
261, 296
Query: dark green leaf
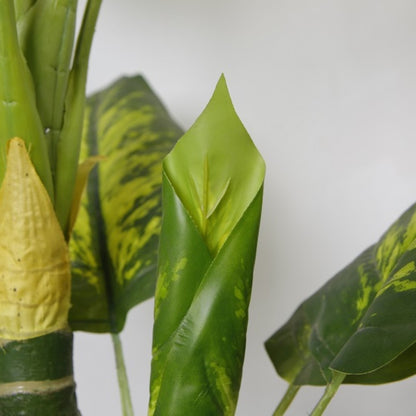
361, 323
115, 239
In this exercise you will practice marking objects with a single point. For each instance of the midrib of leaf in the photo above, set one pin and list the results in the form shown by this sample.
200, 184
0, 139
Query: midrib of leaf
207, 208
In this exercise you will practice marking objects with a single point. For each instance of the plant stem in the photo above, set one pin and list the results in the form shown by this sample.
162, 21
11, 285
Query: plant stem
286, 400
331, 389
122, 377
68, 147
36, 376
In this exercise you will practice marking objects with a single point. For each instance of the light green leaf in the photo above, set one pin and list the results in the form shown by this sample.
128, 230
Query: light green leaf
18, 112
115, 239
209, 194
212, 193
51, 23
68, 146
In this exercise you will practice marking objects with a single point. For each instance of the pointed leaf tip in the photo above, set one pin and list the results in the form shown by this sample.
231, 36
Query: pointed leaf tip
214, 164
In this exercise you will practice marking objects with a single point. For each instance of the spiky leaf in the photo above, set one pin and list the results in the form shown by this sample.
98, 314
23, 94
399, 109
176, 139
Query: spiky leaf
212, 192
114, 242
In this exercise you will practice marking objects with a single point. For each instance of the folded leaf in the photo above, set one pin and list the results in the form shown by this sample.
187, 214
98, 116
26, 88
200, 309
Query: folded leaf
68, 146
51, 23
361, 323
115, 238
18, 112
212, 193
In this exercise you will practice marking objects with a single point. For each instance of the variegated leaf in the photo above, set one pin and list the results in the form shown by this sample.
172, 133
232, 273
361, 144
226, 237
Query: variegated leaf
115, 238
212, 195
361, 323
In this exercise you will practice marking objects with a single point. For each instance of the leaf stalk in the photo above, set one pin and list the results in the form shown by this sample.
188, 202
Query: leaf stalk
123, 382
330, 391
287, 399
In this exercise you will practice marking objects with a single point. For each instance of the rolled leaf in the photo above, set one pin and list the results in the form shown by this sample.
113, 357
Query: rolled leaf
18, 112
68, 146
115, 238
361, 323
46, 34
212, 194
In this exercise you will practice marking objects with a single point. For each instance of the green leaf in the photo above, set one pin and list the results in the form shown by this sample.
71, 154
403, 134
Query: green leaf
212, 193
68, 147
115, 239
361, 323
51, 23
18, 112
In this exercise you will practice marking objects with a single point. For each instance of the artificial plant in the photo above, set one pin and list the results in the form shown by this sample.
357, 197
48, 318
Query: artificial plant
212, 195
42, 96
360, 326
72, 262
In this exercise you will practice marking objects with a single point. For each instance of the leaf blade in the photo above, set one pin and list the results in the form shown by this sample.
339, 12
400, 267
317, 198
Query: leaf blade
361, 288
121, 207
204, 279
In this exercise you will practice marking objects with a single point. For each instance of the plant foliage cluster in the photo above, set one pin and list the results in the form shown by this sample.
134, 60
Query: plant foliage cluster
167, 214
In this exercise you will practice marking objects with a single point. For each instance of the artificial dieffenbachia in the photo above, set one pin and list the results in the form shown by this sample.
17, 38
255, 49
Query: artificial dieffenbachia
115, 239
41, 112
361, 324
212, 194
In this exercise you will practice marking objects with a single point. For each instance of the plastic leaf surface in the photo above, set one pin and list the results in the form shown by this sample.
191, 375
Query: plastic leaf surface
18, 112
116, 234
34, 260
212, 193
46, 34
362, 322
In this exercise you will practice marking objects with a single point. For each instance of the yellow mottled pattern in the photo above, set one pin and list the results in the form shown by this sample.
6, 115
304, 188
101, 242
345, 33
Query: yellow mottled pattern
399, 281
394, 244
365, 294
224, 387
34, 261
84, 170
155, 389
123, 238
166, 278
81, 249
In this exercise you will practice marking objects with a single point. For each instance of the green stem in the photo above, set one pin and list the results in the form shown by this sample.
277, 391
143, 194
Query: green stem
36, 376
331, 389
286, 400
122, 377
70, 141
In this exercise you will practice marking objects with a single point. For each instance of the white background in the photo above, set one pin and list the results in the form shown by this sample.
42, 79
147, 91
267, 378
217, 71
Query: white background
327, 90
